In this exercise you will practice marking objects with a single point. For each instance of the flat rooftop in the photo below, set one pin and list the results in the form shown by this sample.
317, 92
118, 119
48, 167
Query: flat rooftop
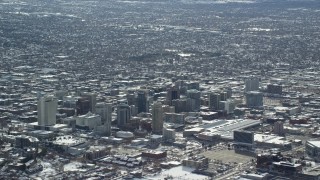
272, 139
68, 141
313, 171
225, 128
314, 143
179, 172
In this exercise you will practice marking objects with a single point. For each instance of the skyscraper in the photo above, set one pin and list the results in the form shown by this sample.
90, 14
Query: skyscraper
172, 93
274, 89
105, 111
47, 109
123, 114
142, 102
157, 118
228, 90
251, 84
195, 96
278, 128
229, 106
223, 96
131, 98
169, 135
92, 98
83, 106
214, 100
254, 99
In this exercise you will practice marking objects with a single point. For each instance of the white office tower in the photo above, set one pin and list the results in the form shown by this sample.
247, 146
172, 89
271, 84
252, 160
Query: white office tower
47, 109
229, 106
168, 135
88, 121
105, 111
133, 110
251, 84
157, 118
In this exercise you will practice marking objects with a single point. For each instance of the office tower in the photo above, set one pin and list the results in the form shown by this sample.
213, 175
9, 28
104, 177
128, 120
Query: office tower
228, 90
251, 84
88, 121
83, 106
157, 118
142, 102
222, 105
214, 100
168, 135
180, 105
278, 128
172, 93
60, 94
193, 85
92, 98
123, 114
274, 89
223, 96
229, 106
47, 109
70, 102
254, 99
174, 118
133, 110
105, 111
122, 101
131, 98
194, 95
168, 109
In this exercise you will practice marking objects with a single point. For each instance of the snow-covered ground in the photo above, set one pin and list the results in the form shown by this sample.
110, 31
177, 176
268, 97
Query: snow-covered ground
48, 171
74, 166
179, 172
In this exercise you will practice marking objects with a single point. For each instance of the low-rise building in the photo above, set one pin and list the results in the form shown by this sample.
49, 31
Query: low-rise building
95, 152
313, 149
196, 162
154, 154
68, 142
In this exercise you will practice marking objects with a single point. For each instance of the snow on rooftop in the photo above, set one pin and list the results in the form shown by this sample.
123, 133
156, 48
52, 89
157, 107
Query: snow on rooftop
48, 171
314, 143
179, 172
68, 140
270, 139
74, 166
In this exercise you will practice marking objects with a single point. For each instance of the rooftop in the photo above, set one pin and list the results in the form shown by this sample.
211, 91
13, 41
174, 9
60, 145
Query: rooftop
68, 141
314, 143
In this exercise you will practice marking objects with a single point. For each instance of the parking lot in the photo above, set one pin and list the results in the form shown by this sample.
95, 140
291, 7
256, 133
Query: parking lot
226, 156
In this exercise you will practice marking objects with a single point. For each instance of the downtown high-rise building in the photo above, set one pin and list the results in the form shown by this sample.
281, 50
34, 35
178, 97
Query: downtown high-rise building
157, 118
105, 111
172, 93
47, 109
254, 99
123, 114
278, 128
92, 98
194, 95
214, 100
251, 84
142, 102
